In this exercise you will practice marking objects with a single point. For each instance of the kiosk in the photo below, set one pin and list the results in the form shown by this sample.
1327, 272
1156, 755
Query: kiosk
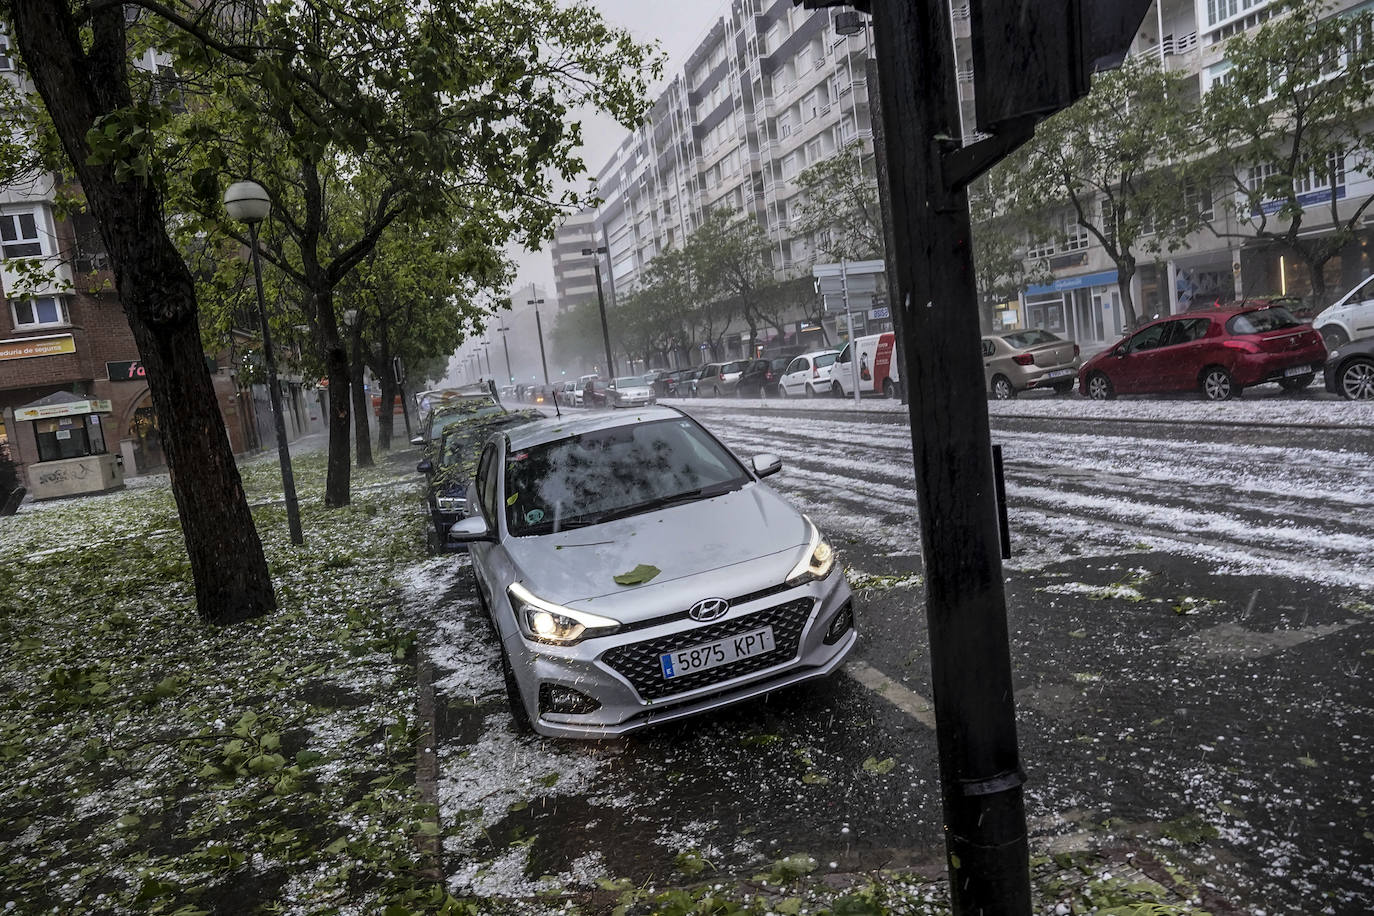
72, 456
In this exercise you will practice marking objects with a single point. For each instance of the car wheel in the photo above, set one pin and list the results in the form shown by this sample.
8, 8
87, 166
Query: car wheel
889, 389
715, 391
1002, 388
519, 717
1297, 383
1063, 388
1335, 337
810, 392
1217, 384
1355, 381
782, 392
1100, 387
431, 541
836, 390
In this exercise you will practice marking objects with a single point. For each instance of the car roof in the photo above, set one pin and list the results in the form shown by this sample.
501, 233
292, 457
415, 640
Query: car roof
817, 352
554, 428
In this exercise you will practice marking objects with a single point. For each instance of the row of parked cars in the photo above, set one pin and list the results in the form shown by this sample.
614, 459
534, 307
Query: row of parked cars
1218, 350
604, 624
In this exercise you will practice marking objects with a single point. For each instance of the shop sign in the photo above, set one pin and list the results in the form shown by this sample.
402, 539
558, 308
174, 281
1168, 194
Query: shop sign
70, 409
127, 370
26, 347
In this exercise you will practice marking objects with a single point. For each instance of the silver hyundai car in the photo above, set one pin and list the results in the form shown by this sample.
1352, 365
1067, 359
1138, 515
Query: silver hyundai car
637, 572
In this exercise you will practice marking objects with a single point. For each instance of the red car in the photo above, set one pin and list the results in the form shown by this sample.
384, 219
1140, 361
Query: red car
1219, 352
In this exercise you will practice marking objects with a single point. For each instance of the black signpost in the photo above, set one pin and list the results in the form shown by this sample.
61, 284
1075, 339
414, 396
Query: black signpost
1031, 58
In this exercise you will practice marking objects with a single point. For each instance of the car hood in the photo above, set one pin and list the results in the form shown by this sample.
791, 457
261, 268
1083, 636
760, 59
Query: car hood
723, 547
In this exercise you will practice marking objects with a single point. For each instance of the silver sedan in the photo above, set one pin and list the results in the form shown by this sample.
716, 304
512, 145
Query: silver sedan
637, 572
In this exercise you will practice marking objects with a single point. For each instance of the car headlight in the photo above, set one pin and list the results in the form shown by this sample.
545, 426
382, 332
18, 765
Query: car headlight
546, 622
816, 563
451, 503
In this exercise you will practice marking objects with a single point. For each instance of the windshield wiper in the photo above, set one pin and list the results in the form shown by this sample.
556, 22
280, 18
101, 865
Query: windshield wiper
664, 502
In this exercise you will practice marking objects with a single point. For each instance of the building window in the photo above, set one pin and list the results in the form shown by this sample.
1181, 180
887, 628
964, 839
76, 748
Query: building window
44, 311
19, 235
6, 60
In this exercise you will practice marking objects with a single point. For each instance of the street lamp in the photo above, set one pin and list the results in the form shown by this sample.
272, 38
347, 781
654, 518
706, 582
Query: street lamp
247, 202
505, 346
539, 328
601, 304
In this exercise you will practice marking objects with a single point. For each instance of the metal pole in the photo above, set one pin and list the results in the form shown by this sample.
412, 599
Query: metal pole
506, 346
540, 328
885, 206
288, 479
966, 611
486, 349
849, 320
605, 330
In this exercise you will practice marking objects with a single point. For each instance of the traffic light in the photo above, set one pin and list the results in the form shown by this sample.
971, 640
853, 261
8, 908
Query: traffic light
1040, 55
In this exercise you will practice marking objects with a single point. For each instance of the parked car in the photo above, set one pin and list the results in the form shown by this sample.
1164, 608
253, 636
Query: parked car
566, 393
1350, 370
657, 380
687, 384
666, 385
719, 379
605, 622
594, 394
1351, 318
760, 377
630, 391
808, 374
453, 410
450, 470
1219, 352
1034, 358
879, 372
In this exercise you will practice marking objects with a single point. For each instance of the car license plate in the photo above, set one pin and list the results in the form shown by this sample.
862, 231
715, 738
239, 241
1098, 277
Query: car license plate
1059, 373
1297, 370
715, 654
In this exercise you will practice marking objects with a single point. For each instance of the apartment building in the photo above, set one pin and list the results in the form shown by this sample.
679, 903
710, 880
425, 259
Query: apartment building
573, 272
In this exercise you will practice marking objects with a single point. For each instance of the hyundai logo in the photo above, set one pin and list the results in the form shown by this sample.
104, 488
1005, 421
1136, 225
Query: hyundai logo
708, 609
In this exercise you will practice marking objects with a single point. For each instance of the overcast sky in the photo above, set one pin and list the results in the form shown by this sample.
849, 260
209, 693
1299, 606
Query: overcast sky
678, 26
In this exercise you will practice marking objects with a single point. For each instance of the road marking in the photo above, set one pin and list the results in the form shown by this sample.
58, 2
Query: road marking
908, 701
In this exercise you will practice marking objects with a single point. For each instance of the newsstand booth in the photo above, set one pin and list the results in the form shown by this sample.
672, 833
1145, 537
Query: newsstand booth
72, 457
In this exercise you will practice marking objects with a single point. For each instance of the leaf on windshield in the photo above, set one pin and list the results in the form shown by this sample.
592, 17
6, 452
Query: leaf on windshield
637, 576
512, 499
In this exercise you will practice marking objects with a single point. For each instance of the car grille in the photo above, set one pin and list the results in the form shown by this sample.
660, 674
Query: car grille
639, 663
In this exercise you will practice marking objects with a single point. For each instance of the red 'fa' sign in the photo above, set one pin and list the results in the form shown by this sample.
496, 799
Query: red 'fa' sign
128, 370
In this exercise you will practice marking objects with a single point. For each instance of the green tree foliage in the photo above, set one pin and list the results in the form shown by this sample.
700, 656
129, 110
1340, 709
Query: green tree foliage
730, 259
355, 115
1000, 231
839, 206
1101, 162
1289, 120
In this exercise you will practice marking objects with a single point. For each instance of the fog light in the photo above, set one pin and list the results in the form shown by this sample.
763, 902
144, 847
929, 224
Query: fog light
842, 624
557, 698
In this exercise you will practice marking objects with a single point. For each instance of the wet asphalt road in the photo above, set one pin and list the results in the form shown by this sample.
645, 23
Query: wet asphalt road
1192, 623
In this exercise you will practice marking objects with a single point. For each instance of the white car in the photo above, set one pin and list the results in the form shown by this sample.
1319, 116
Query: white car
630, 391
808, 375
1351, 318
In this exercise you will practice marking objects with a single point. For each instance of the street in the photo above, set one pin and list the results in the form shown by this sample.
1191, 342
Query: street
1190, 619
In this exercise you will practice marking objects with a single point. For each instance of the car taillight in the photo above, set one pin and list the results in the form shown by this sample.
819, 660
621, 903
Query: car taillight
1075, 349
1244, 346
815, 372
1024, 359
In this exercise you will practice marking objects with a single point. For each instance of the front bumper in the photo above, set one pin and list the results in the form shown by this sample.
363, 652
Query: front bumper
607, 669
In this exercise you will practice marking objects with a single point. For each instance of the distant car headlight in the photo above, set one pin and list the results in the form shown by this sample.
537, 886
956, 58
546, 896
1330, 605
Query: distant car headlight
546, 622
816, 563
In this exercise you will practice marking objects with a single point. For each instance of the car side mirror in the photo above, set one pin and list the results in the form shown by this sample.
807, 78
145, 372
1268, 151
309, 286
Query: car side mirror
1119, 351
766, 464
470, 530
418, 440
425, 467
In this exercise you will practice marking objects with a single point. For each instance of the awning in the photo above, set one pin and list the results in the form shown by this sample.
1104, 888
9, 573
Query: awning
61, 404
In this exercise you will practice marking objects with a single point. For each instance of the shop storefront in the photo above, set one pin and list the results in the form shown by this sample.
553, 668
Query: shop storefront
1085, 309
69, 434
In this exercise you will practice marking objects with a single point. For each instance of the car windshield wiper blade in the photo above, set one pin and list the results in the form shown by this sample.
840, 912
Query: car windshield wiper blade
663, 502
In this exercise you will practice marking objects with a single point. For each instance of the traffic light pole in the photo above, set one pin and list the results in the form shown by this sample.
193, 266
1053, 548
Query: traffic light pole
933, 285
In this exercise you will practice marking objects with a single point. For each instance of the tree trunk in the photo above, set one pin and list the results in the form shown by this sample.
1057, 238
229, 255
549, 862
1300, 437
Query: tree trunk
157, 293
1125, 272
339, 468
362, 436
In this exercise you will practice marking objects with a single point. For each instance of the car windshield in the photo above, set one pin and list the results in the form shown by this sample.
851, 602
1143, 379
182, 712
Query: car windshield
614, 473
448, 418
629, 381
1034, 337
824, 359
1261, 321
